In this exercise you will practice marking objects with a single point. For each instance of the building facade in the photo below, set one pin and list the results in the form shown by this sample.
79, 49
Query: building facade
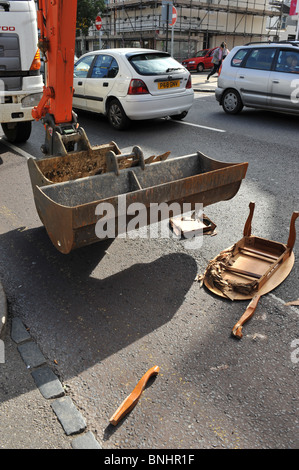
199, 24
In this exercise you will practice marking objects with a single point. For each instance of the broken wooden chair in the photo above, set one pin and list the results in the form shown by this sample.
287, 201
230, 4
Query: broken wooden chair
252, 266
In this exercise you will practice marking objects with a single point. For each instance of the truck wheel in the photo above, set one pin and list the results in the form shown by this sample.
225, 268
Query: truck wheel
17, 132
200, 68
116, 115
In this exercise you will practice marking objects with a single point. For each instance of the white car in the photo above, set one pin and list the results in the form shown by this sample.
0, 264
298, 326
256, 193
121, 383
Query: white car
132, 84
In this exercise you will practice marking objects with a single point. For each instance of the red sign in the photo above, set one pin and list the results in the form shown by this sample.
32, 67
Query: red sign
98, 23
294, 7
174, 16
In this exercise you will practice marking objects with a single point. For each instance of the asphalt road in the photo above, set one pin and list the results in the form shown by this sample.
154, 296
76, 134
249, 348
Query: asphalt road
106, 313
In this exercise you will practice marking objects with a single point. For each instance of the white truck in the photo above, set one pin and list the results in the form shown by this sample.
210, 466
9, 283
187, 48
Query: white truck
21, 83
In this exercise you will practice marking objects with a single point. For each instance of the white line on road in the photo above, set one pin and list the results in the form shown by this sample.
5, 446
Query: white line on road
16, 149
278, 299
202, 127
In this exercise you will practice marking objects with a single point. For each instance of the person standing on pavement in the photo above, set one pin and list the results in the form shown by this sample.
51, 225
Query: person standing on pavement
225, 51
217, 59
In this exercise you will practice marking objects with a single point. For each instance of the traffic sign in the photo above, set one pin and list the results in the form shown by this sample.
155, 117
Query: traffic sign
174, 16
98, 23
166, 12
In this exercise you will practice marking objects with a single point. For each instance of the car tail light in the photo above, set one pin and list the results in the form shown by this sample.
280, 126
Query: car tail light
137, 87
36, 64
189, 83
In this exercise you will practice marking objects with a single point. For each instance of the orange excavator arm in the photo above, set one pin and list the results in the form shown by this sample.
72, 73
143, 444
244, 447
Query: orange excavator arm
57, 25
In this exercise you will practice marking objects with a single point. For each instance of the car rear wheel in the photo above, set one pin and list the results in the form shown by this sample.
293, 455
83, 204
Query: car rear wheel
179, 117
116, 115
231, 102
200, 68
17, 132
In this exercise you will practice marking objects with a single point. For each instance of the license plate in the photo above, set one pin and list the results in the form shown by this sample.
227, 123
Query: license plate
168, 84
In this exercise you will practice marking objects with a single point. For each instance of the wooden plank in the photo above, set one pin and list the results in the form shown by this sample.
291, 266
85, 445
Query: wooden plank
243, 272
260, 253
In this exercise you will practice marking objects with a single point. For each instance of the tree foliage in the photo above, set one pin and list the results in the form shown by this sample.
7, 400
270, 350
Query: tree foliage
87, 11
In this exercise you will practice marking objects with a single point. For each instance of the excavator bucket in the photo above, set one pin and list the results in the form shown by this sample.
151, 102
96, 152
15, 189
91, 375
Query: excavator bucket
68, 189
71, 166
72, 185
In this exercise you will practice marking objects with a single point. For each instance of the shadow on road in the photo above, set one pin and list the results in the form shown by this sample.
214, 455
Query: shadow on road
80, 314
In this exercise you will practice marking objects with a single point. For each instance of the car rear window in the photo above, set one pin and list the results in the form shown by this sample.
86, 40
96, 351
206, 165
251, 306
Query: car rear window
154, 63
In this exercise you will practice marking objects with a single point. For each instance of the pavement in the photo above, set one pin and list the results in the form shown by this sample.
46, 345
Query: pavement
35, 411
200, 84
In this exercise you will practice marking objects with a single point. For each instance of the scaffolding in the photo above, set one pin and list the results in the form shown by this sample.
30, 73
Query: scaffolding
199, 25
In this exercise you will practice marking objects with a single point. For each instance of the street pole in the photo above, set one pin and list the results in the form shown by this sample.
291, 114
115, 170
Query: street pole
167, 16
172, 38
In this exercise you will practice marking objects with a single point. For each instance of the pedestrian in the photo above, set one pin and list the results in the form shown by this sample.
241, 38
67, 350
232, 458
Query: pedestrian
217, 59
225, 51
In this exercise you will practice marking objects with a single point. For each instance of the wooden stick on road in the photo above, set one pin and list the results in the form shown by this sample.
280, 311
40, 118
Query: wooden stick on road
132, 399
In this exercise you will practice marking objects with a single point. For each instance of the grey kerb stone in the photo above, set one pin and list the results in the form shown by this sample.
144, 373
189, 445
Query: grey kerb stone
47, 382
31, 354
68, 415
19, 334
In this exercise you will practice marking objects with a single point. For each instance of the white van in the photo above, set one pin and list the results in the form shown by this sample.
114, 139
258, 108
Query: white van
21, 82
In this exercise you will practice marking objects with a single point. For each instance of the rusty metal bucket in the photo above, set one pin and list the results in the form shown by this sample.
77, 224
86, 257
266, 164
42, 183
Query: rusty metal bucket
72, 166
68, 208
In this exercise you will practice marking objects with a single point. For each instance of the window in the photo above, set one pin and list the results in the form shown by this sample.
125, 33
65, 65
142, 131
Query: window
113, 69
154, 63
82, 67
260, 59
201, 53
287, 61
105, 66
284, 22
239, 57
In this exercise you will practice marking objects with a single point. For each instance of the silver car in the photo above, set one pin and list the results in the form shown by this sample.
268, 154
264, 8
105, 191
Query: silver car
258, 75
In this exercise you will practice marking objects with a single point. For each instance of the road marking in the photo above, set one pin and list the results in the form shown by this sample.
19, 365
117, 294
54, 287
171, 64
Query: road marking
17, 149
201, 127
279, 300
